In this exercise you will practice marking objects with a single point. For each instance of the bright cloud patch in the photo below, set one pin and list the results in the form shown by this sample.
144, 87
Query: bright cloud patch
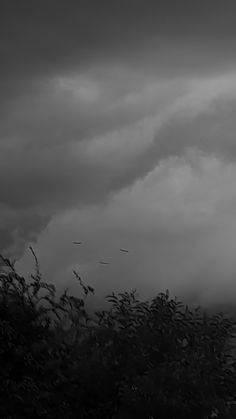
177, 224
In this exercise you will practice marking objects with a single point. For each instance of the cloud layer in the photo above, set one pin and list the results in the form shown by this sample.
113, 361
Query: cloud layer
117, 123
177, 222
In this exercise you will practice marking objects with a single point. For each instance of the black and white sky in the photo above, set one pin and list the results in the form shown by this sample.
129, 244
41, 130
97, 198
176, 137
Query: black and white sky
118, 128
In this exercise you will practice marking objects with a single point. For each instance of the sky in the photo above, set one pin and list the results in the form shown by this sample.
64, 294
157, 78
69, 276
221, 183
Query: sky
117, 129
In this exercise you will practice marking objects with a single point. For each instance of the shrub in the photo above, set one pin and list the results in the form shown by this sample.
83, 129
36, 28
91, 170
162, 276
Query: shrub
152, 359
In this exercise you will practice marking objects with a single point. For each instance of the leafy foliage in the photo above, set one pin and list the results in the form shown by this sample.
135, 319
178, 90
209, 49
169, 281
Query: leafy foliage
153, 359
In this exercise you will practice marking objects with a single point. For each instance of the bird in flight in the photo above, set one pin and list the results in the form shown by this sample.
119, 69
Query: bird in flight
124, 250
104, 263
77, 242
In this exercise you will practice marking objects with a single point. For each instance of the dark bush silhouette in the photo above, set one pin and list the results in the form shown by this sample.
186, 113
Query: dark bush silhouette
154, 359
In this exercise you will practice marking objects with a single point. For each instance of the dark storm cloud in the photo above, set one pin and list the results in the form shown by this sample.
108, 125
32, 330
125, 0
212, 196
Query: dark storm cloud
41, 38
47, 38
53, 178
45, 170
46, 162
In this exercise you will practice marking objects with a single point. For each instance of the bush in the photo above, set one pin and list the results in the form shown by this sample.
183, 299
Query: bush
154, 359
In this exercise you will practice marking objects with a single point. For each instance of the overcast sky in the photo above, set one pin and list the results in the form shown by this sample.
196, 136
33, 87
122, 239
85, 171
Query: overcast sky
118, 128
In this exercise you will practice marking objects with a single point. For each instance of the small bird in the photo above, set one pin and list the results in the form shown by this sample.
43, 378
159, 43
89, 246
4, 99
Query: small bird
77, 242
104, 263
124, 250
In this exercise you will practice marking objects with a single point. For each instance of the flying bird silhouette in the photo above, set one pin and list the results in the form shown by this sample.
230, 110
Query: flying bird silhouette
77, 242
104, 263
124, 250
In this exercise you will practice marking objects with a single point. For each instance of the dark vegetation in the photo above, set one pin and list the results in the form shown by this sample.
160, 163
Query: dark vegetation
153, 359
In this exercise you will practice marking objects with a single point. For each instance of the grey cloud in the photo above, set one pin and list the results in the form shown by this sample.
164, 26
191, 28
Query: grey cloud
212, 131
45, 165
57, 149
203, 120
49, 179
45, 160
82, 107
50, 173
178, 224
44, 38
18, 227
